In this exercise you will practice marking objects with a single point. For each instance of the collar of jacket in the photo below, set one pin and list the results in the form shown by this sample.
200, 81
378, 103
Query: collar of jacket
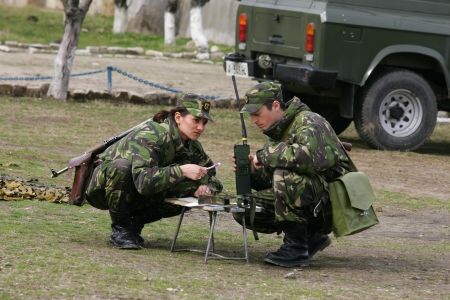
175, 136
294, 107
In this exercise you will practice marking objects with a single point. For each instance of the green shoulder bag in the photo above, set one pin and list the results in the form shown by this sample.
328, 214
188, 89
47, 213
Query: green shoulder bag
351, 197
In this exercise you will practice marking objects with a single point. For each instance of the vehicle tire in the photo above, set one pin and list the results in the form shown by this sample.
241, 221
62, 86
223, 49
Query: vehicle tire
396, 111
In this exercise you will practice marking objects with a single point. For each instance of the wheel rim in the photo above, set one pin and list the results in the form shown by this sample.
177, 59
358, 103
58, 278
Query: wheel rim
400, 113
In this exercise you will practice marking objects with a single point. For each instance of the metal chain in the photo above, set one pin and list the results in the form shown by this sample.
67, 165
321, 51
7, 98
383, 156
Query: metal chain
157, 85
37, 78
121, 72
144, 81
88, 73
26, 78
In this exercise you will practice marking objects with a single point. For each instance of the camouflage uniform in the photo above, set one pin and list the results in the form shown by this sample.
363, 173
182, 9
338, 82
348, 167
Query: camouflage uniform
142, 169
300, 156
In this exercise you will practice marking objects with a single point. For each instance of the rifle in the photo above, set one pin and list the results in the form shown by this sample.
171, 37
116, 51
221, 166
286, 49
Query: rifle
84, 166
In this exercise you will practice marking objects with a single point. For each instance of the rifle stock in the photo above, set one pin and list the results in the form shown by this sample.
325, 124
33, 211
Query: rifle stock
81, 180
84, 166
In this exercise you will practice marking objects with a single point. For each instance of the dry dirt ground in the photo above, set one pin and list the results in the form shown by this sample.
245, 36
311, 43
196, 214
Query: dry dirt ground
425, 173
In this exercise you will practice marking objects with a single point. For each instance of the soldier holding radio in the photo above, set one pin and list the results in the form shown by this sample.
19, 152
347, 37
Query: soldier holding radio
290, 173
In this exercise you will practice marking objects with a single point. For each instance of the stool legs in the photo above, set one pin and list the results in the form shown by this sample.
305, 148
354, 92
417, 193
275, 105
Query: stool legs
172, 248
244, 236
210, 247
211, 216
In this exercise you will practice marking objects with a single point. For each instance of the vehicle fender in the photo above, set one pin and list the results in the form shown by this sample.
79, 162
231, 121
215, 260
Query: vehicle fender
409, 49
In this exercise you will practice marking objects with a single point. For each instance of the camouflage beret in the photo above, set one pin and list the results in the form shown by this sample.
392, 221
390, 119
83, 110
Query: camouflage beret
195, 104
260, 94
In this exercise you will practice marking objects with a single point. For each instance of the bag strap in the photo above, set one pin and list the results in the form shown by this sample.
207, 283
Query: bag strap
353, 167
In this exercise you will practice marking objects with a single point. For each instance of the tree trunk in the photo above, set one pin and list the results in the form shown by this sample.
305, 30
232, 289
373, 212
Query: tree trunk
169, 22
74, 17
195, 21
169, 28
120, 16
196, 25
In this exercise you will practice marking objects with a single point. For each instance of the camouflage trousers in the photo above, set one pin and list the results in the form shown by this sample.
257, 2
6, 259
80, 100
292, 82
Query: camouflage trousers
293, 198
111, 187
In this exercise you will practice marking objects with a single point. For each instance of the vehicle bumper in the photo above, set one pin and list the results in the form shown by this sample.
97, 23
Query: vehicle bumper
305, 75
289, 73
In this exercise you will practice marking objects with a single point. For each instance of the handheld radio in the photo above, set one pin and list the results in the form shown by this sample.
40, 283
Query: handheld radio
241, 153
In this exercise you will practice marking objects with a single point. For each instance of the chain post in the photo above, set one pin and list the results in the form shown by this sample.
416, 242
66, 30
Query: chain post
109, 70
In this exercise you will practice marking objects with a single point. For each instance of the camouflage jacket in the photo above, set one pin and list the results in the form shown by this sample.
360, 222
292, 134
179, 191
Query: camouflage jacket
304, 142
156, 152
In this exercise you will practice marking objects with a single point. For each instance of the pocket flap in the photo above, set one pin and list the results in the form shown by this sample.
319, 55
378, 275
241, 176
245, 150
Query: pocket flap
359, 190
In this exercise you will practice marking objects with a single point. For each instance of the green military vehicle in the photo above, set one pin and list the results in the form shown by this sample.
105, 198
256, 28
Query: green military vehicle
383, 64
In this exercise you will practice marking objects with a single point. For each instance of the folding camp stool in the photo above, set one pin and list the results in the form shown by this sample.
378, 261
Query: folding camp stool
212, 210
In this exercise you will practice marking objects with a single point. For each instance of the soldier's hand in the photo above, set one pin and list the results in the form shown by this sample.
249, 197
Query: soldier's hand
255, 164
203, 190
233, 163
192, 171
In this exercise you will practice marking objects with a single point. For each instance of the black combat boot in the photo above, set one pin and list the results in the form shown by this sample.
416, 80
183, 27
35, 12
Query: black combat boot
294, 251
123, 234
137, 230
140, 218
318, 228
317, 242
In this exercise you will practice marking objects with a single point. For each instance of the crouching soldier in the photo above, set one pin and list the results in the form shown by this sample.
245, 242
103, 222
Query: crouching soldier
162, 158
290, 173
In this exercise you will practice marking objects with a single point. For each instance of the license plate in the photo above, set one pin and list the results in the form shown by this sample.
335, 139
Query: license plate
239, 69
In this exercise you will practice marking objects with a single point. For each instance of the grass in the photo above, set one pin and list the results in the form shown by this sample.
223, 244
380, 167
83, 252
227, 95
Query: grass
15, 25
66, 265
60, 251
